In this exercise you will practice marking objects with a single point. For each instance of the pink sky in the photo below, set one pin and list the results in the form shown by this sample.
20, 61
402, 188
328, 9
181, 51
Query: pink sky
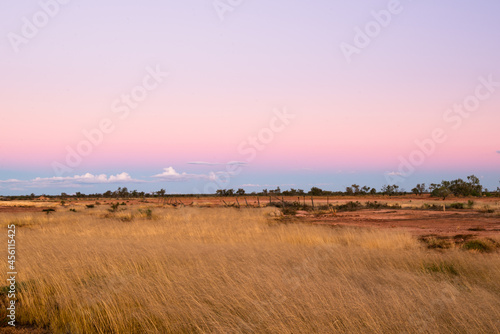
227, 76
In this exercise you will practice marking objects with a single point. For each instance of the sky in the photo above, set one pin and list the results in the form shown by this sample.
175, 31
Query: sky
193, 96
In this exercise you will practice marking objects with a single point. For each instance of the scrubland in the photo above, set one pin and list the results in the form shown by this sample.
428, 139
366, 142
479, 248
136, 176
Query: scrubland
228, 270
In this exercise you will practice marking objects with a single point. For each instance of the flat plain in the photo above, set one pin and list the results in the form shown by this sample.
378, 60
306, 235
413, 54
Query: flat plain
408, 264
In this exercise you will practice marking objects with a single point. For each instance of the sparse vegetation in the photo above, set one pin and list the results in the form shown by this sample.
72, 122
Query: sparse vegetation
478, 245
212, 270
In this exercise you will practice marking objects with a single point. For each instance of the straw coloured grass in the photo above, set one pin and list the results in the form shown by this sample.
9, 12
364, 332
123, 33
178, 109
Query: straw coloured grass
223, 270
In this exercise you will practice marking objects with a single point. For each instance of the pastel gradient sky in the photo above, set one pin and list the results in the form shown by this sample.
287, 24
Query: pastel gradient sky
231, 70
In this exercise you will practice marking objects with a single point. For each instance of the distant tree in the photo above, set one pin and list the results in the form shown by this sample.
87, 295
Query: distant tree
390, 190
240, 192
349, 191
365, 190
476, 189
458, 187
160, 192
124, 192
315, 191
373, 191
440, 190
419, 189
224, 192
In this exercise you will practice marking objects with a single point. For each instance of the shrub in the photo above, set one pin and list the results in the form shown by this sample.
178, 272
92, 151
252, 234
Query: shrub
48, 211
478, 245
147, 212
487, 209
114, 207
443, 267
436, 242
349, 206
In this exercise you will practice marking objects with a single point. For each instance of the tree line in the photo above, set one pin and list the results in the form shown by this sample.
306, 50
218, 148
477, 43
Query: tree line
457, 188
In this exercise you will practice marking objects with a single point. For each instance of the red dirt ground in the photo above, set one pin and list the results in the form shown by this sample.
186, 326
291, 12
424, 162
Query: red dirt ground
417, 222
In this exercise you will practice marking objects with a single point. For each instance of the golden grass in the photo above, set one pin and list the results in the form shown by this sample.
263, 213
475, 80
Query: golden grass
196, 270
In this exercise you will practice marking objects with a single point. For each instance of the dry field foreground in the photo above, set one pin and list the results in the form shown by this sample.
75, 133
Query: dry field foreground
248, 270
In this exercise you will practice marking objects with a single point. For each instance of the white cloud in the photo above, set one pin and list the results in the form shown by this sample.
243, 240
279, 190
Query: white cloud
70, 181
237, 163
203, 163
260, 185
394, 173
170, 174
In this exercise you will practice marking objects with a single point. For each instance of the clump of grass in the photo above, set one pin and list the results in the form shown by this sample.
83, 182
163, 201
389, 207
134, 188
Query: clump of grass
441, 267
72, 210
456, 206
349, 206
48, 211
436, 242
481, 246
125, 217
462, 237
90, 206
148, 213
487, 209
477, 229
376, 205
114, 207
